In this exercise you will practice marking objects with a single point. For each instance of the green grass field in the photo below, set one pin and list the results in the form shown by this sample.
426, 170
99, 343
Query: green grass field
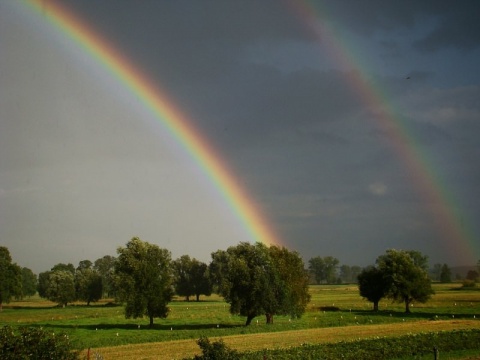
335, 308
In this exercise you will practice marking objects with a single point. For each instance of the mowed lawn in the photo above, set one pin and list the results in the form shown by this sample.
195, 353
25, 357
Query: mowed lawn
335, 313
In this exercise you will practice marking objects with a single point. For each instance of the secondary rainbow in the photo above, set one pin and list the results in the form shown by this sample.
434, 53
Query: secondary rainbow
165, 111
457, 235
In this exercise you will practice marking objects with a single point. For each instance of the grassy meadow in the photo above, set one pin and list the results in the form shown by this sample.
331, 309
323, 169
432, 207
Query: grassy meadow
335, 313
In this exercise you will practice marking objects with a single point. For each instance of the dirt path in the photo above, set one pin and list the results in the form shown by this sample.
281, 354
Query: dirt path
188, 348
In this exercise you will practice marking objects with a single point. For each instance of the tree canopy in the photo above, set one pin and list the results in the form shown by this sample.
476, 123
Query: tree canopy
191, 277
144, 279
10, 277
405, 272
257, 280
373, 285
88, 282
324, 269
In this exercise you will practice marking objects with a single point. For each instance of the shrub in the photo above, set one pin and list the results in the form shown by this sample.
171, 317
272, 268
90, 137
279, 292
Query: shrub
215, 351
468, 283
34, 343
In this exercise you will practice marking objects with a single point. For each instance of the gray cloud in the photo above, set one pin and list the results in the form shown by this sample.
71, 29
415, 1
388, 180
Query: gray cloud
84, 166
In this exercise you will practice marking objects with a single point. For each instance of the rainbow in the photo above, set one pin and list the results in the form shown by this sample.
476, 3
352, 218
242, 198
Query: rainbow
165, 111
458, 237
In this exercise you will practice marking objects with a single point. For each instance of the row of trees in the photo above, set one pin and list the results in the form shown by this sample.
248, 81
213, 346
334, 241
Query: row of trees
15, 282
254, 279
326, 270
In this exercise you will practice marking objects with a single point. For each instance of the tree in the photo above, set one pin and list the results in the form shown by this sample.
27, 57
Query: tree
191, 278
144, 279
257, 280
106, 267
64, 267
88, 282
35, 343
436, 272
42, 286
200, 279
293, 293
472, 275
29, 282
10, 278
445, 274
406, 274
324, 269
61, 287
373, 285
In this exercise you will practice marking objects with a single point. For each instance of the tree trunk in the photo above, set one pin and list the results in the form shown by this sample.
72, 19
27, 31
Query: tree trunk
407, 306
269, 318
151, 322
375, 306
249, 319
188, 298
198, 297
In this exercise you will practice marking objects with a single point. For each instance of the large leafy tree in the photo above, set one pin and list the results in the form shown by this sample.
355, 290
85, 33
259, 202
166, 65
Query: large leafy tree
191, 277
324, 269
256, 280
88, 282
61, 287
29, 282
106, 267
293, 282
144, 279
406, 274
10, 277
373, 285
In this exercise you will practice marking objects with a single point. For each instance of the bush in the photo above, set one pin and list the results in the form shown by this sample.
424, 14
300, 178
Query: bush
34, 343
215, 351
469, 283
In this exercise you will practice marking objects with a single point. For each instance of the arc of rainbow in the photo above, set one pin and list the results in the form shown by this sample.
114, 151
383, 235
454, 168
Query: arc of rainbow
165, 111
459, 236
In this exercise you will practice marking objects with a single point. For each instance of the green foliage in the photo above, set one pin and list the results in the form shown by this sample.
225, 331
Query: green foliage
88, 285
191, 277
106, 268
61, 287
257, 280
64, 267
324, 269
215, 351
469, 284
445, 274
29, 282
293, 295
373, 285
42, 285
34, 343
377, 348
406, 273
144, 279
10, 277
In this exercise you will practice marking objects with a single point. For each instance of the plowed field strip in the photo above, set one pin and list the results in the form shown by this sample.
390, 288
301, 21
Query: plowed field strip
188, 348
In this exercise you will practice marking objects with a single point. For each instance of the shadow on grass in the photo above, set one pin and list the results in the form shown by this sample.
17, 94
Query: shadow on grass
56, 307
412, 315
142, 327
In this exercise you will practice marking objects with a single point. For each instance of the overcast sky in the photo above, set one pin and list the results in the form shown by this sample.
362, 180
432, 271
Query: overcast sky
84, 167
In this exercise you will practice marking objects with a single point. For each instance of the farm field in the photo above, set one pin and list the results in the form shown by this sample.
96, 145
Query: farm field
335, 313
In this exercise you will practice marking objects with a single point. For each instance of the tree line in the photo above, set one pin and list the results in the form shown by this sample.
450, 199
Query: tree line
256, 280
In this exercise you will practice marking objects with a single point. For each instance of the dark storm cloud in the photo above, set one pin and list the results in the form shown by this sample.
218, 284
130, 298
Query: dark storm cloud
304, 141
